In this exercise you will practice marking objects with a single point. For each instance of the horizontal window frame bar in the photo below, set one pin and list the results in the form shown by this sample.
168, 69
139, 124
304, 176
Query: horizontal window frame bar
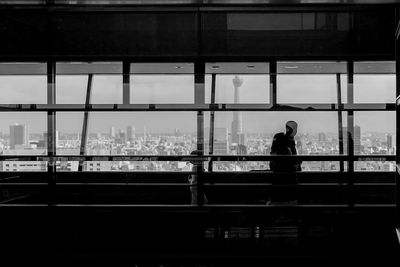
194, 107
199, 6
219, 184
220, 207
197, 158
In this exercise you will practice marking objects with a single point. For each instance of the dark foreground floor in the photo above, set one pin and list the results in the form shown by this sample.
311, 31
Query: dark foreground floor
131, 236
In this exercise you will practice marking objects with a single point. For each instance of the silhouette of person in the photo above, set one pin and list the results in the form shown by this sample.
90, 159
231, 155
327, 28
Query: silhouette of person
193, 179
284, 169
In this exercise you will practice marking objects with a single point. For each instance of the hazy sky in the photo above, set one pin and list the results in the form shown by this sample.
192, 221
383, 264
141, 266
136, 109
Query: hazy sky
180, 89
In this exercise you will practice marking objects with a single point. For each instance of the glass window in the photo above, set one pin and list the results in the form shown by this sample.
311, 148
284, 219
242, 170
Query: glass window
71, 89
311, 82
374, 82
251, 133
377, 165
72, 82
162, 83
23, 83
24, 166
23, 133
238, 83
66, 166
141, 133
374, 133
127, 133
68, 133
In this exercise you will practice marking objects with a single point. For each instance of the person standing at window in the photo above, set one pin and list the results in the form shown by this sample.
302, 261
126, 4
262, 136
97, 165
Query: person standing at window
285, 177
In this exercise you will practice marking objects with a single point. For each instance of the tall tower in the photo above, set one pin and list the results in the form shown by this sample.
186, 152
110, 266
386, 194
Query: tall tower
112, 132
19, 135
357, 140
389, 141
130, 133
237, 116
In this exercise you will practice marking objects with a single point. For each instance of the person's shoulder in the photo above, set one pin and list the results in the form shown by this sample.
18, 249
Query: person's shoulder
279, 135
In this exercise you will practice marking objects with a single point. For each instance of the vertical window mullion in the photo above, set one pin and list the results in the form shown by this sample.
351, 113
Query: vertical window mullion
199, 100
126, 83
397, 123
51, 129
85, 120
212, 121
350, 132
273, 82
340, 118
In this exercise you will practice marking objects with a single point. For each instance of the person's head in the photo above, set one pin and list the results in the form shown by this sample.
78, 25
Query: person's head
291, 128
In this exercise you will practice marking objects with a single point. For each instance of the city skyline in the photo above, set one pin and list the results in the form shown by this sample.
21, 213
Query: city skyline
255, 88
100, 122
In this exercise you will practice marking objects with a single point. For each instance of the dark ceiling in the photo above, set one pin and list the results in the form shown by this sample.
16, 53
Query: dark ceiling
193, 2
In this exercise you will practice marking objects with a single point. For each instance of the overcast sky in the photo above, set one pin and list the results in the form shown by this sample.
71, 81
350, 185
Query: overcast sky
180, 89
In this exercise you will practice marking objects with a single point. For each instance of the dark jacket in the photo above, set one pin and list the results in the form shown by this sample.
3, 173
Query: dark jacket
283, 144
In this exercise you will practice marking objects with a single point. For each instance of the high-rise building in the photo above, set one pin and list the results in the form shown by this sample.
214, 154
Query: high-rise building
112, 132
122, 136
130, 133
389, 141
237, 116
19, 135
220, 144
321, 137
357, 139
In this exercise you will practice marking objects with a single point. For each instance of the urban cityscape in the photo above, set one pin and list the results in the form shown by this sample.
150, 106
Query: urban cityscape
233, 140
126, 142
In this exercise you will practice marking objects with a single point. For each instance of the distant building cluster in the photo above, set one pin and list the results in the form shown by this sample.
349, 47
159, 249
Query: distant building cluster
120, 142
224, 141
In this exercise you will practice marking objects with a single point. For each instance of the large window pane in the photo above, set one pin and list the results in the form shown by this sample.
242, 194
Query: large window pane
23, 83
72, 82
162, 83
71, 89
141, 133
128, 133
311, 82
374, 82
377, 165
69, 132
23, 133
374, 133
140, 166
238, 82
251, 133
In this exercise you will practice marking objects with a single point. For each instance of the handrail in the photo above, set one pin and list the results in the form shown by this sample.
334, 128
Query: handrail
227, 184
23, 184
14, 198
213, 206
9, 178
